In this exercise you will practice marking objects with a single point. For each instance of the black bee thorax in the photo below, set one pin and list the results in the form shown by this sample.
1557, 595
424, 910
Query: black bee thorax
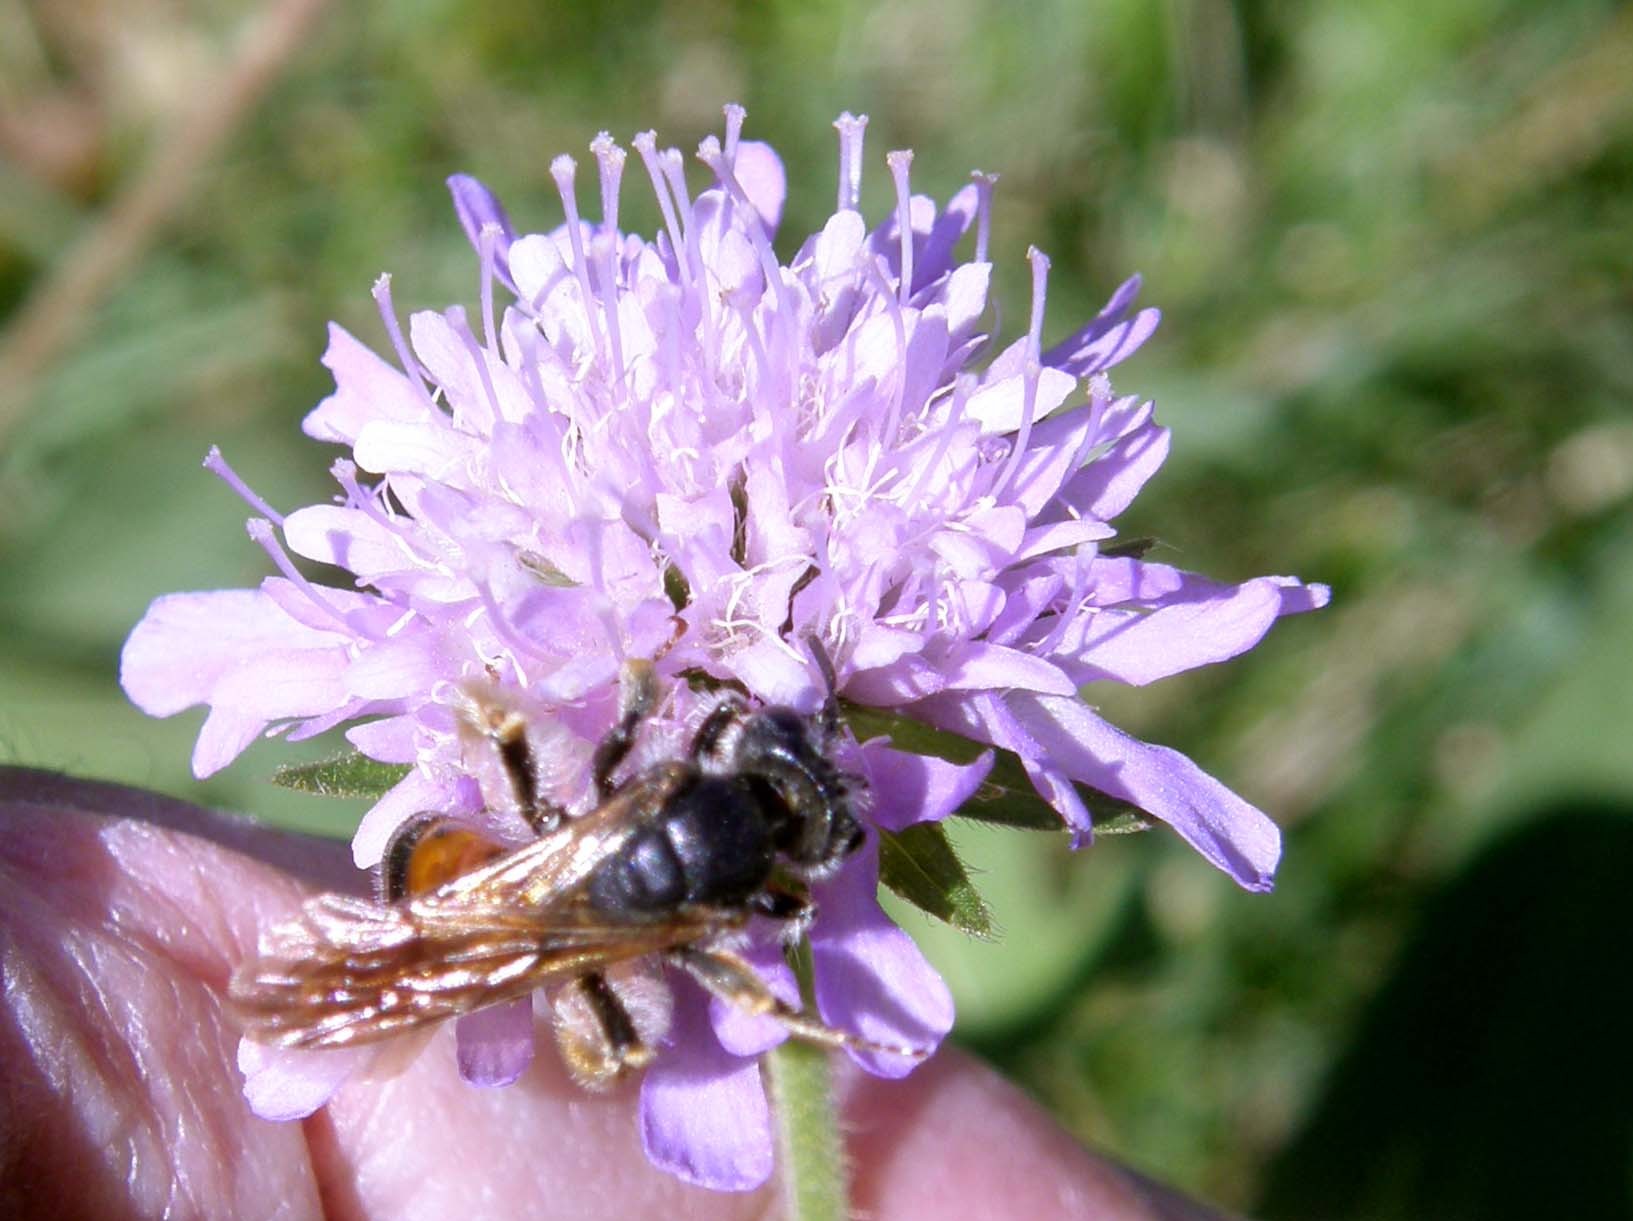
711, 842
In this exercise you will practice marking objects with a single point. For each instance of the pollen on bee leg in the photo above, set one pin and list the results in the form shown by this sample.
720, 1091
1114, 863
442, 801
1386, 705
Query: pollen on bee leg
608, 1024
518, 759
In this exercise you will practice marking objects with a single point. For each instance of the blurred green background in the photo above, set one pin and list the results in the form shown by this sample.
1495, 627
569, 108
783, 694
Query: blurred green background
1394, 247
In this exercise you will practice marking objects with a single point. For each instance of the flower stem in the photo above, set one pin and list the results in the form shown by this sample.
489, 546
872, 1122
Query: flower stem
814, 1180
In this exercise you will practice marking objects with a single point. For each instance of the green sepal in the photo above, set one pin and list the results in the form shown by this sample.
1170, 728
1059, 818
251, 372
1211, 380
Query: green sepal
920, 866
675, 588
1113, 817
348, 775
544, 570
1006, 798
1129, 548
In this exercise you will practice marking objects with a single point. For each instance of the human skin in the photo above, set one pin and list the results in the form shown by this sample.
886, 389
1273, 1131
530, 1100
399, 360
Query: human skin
122, 915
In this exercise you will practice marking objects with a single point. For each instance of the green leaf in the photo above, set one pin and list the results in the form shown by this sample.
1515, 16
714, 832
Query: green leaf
347, 775
1006, 798
909, 735
919, 864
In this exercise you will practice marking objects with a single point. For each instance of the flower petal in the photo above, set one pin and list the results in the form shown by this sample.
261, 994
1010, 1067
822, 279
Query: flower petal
186, 643
904, 680
759, 172
870, 977
1061, 740
1297, 597
704, 1116
1061, 536
281, 1084
366, 388
932, 259
747, 1034
414, 793
1109, 338
909, 788
391, 740
1001, 406
1139, 647
770, 670
1108, 485
977, 664
477, 206
496, 1044
265, 687
347, 538
1234, 835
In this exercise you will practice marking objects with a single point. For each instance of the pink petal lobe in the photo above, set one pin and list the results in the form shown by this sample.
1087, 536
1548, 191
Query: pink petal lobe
909, 788
476, 207
1234, 835
1140, 647
409, 796
743, 1033
760, 173
366, 388
1108, 339
977, 664
495, 1045
281, 1085
1108, 485
870, 977
225, 734
704, 1115
391, 740
186, 642
1060, 740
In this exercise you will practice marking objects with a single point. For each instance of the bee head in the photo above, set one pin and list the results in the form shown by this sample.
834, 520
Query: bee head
807, 797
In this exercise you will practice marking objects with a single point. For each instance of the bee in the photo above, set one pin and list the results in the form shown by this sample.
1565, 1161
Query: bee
666, 871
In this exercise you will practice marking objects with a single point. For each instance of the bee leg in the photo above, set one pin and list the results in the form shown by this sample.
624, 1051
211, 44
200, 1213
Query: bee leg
507, 730
428, 850
727, 976
706, 741
599, 1038
637, 693
791, 908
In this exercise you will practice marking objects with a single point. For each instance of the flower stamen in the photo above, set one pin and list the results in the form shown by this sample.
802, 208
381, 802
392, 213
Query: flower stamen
983, 211
487, 242
462, 328
217, 466
564, 169
405, 356
261, 531
1034, 369
899, 161
851, 130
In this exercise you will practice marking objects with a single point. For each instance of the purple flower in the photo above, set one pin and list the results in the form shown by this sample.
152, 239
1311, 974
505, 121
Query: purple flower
776, 452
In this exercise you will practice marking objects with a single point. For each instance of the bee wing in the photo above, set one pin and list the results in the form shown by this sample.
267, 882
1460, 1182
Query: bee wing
349, 971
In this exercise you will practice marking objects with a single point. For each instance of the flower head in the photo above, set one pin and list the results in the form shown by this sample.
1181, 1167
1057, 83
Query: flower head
826, 450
